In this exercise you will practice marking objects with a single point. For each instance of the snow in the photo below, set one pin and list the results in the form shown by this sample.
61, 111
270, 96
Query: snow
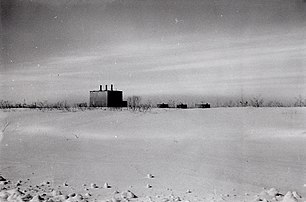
214, 154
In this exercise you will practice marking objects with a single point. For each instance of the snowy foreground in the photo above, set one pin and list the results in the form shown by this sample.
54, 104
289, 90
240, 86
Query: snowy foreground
237, 154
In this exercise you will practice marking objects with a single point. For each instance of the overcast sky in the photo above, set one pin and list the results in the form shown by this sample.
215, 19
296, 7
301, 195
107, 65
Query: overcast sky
62, 49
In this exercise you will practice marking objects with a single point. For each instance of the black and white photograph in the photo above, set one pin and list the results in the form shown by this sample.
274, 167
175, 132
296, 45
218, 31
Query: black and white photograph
152, 100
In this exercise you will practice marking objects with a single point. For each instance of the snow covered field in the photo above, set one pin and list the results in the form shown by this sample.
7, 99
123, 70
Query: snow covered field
229, 154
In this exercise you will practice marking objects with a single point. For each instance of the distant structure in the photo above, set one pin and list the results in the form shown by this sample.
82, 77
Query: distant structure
162, 105
202, 105
181, 106
106, 98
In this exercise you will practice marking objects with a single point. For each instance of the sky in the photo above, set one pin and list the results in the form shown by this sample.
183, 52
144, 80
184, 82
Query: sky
211, 49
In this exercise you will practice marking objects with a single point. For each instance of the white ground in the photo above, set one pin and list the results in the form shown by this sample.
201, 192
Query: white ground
218, 154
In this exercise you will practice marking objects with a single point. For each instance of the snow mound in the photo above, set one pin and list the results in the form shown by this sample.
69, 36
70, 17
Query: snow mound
273, 192
291, 197
22, 191
94, 186
274, 195
14, 195
106, 186
2, 178
150, 176
128, 195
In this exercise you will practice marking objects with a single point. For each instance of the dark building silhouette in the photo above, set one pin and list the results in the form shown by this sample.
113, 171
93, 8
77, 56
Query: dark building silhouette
202, 105
181, 106
106, 98
163, 105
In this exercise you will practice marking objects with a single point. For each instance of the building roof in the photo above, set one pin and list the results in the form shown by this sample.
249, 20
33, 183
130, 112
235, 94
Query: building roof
105, 90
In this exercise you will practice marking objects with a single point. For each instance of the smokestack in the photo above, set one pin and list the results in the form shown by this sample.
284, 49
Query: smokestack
106, 87
100, 87
111, 87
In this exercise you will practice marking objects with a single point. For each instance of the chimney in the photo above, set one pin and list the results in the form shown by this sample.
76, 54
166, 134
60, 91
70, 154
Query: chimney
111, 87
106, 87
100, 87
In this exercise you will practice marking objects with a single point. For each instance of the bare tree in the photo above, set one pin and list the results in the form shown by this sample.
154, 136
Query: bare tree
229, 103
300, 101
171, 103
257, 102
4, 104
134, 102
242, 103
275, 103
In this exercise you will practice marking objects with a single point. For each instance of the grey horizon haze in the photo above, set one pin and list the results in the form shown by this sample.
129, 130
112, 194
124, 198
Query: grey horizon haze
62, 49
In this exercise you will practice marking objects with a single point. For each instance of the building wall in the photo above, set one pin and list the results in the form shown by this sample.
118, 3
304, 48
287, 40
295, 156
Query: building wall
114, 98
124, 104
98, 99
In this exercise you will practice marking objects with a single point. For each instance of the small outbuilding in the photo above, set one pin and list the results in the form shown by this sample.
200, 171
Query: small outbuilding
181, 106
106, 98
202, 105
162, 105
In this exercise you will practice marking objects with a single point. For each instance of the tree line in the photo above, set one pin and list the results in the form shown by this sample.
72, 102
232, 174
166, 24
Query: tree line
136, 103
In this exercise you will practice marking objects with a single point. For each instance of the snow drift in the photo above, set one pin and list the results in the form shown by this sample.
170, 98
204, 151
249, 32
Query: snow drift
204, 155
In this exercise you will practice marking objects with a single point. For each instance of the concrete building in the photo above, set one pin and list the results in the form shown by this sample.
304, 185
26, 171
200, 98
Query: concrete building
106, 98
